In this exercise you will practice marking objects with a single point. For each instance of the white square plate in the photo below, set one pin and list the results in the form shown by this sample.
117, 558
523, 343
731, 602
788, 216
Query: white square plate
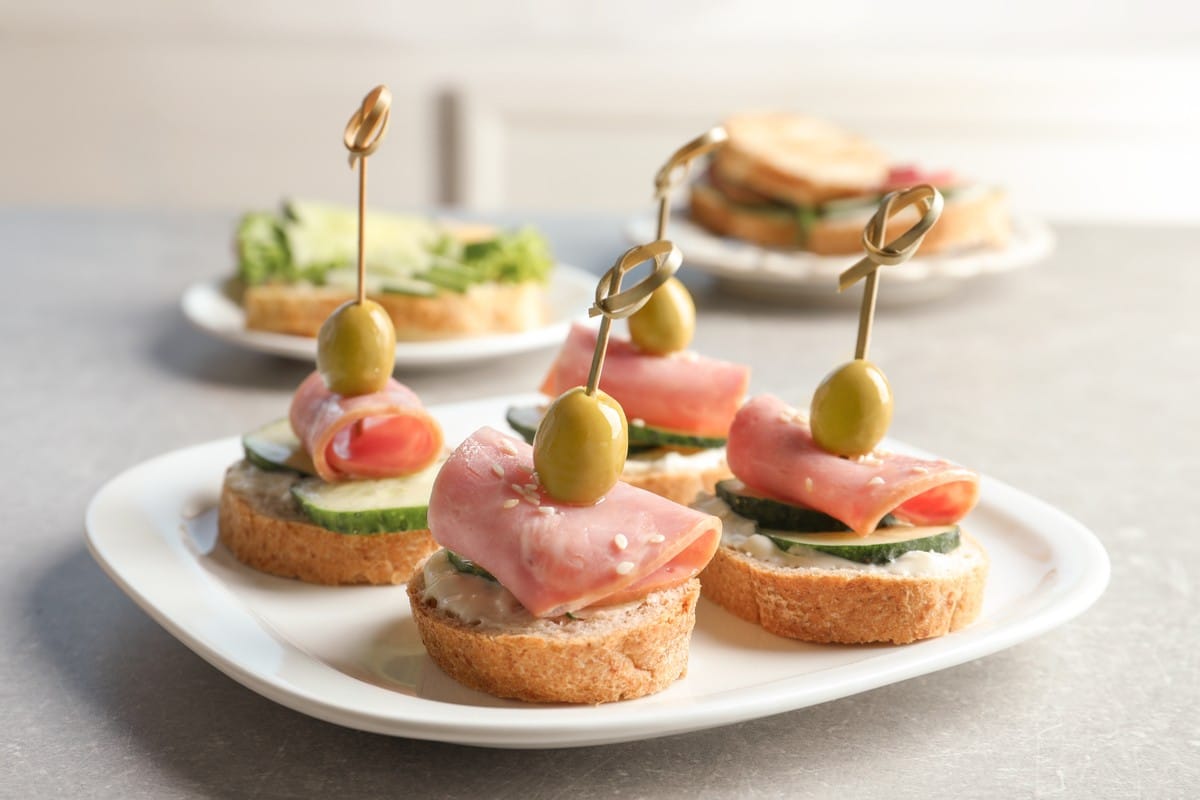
351, 655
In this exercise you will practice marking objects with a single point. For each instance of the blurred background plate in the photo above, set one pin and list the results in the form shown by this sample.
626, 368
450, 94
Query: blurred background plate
568, 296
787, 275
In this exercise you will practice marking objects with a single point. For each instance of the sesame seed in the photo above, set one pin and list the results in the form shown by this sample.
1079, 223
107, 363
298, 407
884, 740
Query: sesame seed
808, 484
657, 538
531, 487
638, 423
511, 502
918, 469
620, 541
532, 499
625, 567
508, 447
497, 470
516, 487
876, 481
547, 510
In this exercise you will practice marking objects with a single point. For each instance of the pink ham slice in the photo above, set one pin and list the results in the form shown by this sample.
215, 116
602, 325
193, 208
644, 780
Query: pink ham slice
681, 392
397, 437
771, 450
559, 558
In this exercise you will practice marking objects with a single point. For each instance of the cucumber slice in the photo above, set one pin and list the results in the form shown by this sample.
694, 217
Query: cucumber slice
776, 514
372, 506
878, 548
275, 446
469, 567
524, 420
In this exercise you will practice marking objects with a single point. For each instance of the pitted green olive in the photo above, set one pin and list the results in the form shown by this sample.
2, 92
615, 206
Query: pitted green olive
356, 348
580, 446
667, 322
851, 409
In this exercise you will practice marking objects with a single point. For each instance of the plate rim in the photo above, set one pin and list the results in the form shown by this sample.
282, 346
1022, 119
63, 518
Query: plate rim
802, 271
1071, 593
566, 277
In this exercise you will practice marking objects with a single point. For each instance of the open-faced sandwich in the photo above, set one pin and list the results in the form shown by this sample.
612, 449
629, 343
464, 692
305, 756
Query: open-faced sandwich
792, 181
558, 582
338, 492
829, 537
435, 280
826, 548
679, 405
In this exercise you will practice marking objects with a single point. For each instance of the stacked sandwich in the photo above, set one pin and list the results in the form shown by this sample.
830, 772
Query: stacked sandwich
785, 180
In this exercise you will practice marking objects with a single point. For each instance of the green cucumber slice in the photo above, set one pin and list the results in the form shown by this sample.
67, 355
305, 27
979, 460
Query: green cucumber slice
468, 567
452, 278
524, 420
776, 514
878, 548
369, 506
274, 446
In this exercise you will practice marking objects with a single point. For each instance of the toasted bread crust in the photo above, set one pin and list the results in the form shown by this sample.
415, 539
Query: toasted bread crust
845, 606
680, 486
980, 220
643, 653
291, 548
802, 160
482, 309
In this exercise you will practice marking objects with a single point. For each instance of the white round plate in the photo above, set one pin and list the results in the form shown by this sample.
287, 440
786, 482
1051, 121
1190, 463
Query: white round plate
568, 296
767, 273
352, 656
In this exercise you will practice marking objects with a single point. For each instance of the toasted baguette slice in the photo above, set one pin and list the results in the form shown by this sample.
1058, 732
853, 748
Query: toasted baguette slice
483, 308
617, 653
977, 219
798, 159
848, 606
262, 525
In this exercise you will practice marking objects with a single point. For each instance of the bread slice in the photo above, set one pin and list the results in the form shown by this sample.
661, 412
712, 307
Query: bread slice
484, 308
798, 159
976, 219
848, 606
611, 654
262, 525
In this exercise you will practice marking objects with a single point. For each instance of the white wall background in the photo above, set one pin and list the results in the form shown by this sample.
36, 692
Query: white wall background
1086, 110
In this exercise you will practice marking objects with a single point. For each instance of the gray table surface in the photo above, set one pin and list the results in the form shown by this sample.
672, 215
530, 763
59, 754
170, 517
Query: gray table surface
1076, 380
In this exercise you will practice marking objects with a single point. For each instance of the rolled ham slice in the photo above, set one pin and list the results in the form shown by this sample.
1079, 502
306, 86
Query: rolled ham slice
487, 507
680, 392
772, 451
397, 437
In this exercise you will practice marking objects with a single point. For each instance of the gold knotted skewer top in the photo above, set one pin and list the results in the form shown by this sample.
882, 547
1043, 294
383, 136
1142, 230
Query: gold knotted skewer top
363, 134
612, 303
897, 251
672, 172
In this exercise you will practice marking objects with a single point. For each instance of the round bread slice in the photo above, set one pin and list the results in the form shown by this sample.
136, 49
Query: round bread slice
798, 159
848, 606
262, 525
483, 308
611, 654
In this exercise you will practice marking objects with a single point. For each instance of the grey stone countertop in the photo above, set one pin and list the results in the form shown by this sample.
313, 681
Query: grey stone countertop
1077, 380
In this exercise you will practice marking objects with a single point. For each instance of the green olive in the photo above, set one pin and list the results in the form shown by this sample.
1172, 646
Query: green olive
579, 448
667, 322
356, 348
852, 409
